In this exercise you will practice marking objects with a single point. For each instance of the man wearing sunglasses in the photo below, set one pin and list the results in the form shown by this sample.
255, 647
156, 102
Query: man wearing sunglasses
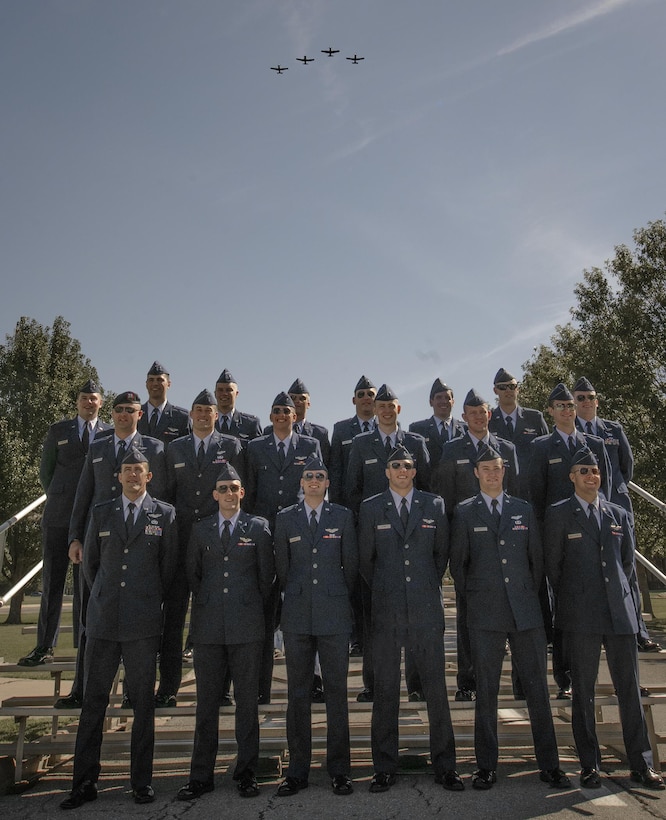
621, 460
230, 568
316, 559
274, 467
300, 395
404, 548
589, 551
99, 482
549, 482
193, 463
519, 425
441, 426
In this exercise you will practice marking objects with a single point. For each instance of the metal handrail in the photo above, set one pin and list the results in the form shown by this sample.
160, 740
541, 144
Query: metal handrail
3, 528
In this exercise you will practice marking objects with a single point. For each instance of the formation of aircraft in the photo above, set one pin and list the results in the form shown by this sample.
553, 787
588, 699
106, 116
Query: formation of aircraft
305, 59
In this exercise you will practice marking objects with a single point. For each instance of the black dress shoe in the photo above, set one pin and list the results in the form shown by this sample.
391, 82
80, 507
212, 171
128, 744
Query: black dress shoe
563, 694
247, 785
39, 655
227, 700
355, 650
555, 777
71, 701
188, 654
381, 782
465, 695
483, 779
648, 645
645, 693
86, 792
365, 696
126, 703
291, 786
145, 794
416, 697
194, 789
165, 701
451, 781
589, 779
317, 695
341, 784
648, 778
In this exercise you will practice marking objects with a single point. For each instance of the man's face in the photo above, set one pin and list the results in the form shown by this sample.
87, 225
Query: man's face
507, 393
586, 480
228, 494
157, 386
282, 419
400, 474
226, 397
442, 404
563, 413
364, 401
586, 404
491, 476
203, 418
477, 419
301, 403
88, 405
314, 484
125, 418
134, 478
387, 413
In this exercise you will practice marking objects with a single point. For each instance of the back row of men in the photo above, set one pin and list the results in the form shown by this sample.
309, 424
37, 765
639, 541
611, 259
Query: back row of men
186, 466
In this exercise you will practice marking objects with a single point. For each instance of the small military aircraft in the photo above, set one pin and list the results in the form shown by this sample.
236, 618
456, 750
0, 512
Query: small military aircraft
279, 68
330, 51
355, 59
305, 60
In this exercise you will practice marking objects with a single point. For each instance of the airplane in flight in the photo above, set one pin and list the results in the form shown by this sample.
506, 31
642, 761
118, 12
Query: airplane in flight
279, 68
330, 51
355, 59
305, 60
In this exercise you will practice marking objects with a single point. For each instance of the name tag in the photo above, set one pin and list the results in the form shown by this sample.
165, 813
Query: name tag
554, 460
462, 461
64, 441
295, 539
480, 529
97, 460
348, 441
104, 533
572, 535
182, 464
383, 526
371, 461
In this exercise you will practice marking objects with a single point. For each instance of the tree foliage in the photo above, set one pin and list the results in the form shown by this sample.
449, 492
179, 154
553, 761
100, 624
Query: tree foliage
617, 338
41, 371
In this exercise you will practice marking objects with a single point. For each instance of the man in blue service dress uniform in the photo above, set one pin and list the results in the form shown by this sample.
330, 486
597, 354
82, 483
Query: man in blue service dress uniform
230, 567
129, 558
232, 422
161, 419
316, 558
404, 549
300, 395
193, 464
441, 426
497, 563
589, 549
274, 466
63, 456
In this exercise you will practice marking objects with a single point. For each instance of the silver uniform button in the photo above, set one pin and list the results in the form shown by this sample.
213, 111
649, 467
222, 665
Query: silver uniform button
122, 583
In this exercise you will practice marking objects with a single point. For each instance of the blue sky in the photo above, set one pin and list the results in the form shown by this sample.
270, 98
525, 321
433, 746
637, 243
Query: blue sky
424, 213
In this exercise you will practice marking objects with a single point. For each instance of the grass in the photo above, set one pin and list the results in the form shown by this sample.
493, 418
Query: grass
35, 728
14, 644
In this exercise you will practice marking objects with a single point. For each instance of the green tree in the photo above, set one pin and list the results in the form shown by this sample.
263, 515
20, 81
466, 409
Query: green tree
41, 371
617, 338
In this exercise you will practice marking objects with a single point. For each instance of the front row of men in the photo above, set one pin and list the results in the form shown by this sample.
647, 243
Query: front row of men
496, 559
